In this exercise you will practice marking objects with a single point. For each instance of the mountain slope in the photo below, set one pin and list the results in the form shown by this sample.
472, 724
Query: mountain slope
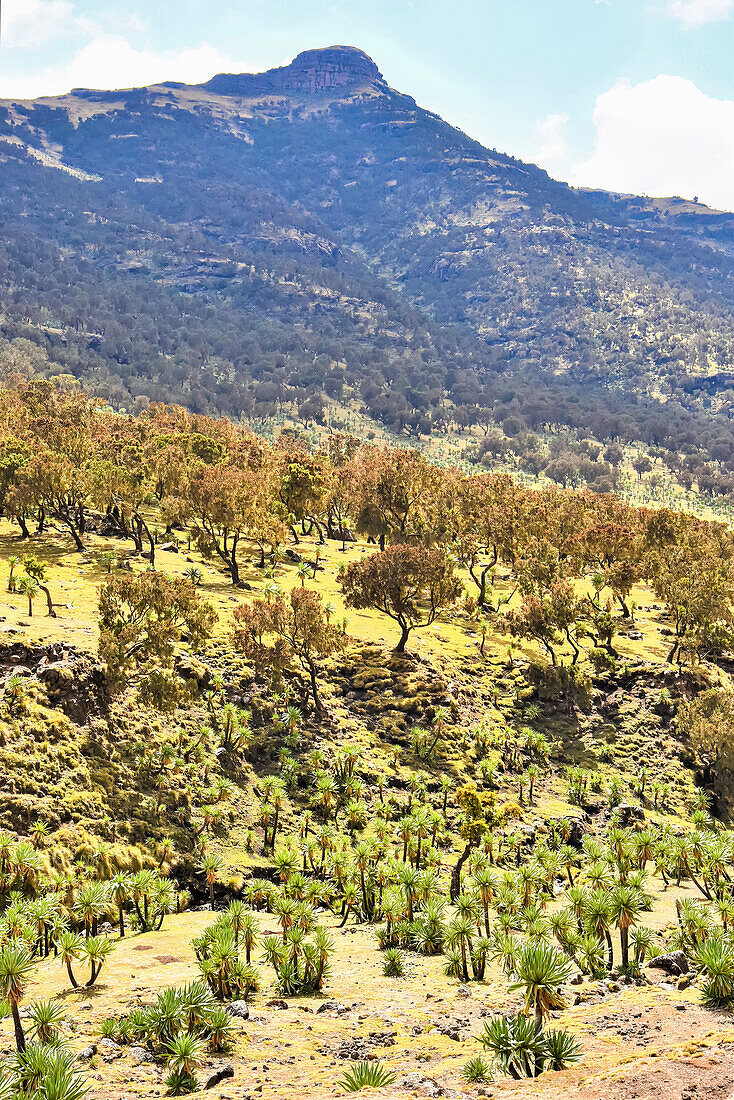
263, 239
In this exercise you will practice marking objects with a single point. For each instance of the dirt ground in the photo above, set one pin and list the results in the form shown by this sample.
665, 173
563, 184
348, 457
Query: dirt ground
639, 1042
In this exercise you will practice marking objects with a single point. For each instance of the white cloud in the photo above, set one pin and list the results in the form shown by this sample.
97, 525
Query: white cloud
551, 134
109, 61
29, 23
662, 137
695, 13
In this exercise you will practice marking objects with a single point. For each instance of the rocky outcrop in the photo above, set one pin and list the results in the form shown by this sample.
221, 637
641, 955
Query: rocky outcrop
311, 72
73, 681
673, 963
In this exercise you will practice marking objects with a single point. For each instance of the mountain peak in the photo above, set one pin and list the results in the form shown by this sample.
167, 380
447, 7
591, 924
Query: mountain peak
313, 71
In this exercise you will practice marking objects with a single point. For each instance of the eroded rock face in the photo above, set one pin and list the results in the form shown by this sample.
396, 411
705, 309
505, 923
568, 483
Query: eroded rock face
74, 681
311, 72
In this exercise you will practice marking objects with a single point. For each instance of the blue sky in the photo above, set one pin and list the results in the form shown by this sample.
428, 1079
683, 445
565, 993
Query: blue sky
634, 95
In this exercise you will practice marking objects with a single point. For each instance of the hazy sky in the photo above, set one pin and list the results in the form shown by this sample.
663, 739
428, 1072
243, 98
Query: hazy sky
632, 95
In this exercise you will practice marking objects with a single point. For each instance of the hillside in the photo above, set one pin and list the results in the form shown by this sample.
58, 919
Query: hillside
319, 755
258, 242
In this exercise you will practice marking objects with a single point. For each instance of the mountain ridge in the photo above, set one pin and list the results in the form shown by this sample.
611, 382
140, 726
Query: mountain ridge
421, 266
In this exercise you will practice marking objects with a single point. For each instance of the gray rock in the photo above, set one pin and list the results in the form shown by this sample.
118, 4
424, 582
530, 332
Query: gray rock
424, 1086
140, 1055
673, 963
109, 1050
626, 814
240, 1009
87, 1053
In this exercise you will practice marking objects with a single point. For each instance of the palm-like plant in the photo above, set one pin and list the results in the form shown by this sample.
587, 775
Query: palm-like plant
211, 864
184, 1058
16, 967
71, 946
48, 1073
540, 970
46, 1018
715, 958
562, 1048
626, 903
219, 1028
515, 1044
97, 950
16, 692
29, 588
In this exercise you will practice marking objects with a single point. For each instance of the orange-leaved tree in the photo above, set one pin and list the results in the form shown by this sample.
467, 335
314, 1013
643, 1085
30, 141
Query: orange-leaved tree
288, 632
406, 583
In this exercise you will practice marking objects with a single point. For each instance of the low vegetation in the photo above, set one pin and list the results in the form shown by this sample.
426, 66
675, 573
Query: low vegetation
374, 720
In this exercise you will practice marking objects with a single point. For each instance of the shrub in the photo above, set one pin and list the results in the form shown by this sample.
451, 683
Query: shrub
392, 963
366, 1075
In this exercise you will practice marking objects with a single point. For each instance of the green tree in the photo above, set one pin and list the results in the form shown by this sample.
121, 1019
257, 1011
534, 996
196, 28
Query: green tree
141, 620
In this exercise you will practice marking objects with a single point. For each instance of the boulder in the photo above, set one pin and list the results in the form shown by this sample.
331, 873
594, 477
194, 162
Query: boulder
240, 1009
87, 1053
140, 1055
627, 814
675, 962
423, 1086
189, 668
109, 1050
220, 1075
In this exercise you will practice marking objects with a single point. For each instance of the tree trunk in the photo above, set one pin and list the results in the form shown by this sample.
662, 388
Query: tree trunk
49, 601
315, 690
539, 1032
18, 1027
455, 887
405, 631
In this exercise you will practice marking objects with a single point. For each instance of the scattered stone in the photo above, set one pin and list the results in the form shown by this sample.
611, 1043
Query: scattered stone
88, 1052
240, 1009
276, 1003
683, 982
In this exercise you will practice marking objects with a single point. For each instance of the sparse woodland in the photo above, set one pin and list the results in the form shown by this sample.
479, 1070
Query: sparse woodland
338, 691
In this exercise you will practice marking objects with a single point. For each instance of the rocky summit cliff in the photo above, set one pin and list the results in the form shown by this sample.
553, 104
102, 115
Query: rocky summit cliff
311, 234
313, 71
